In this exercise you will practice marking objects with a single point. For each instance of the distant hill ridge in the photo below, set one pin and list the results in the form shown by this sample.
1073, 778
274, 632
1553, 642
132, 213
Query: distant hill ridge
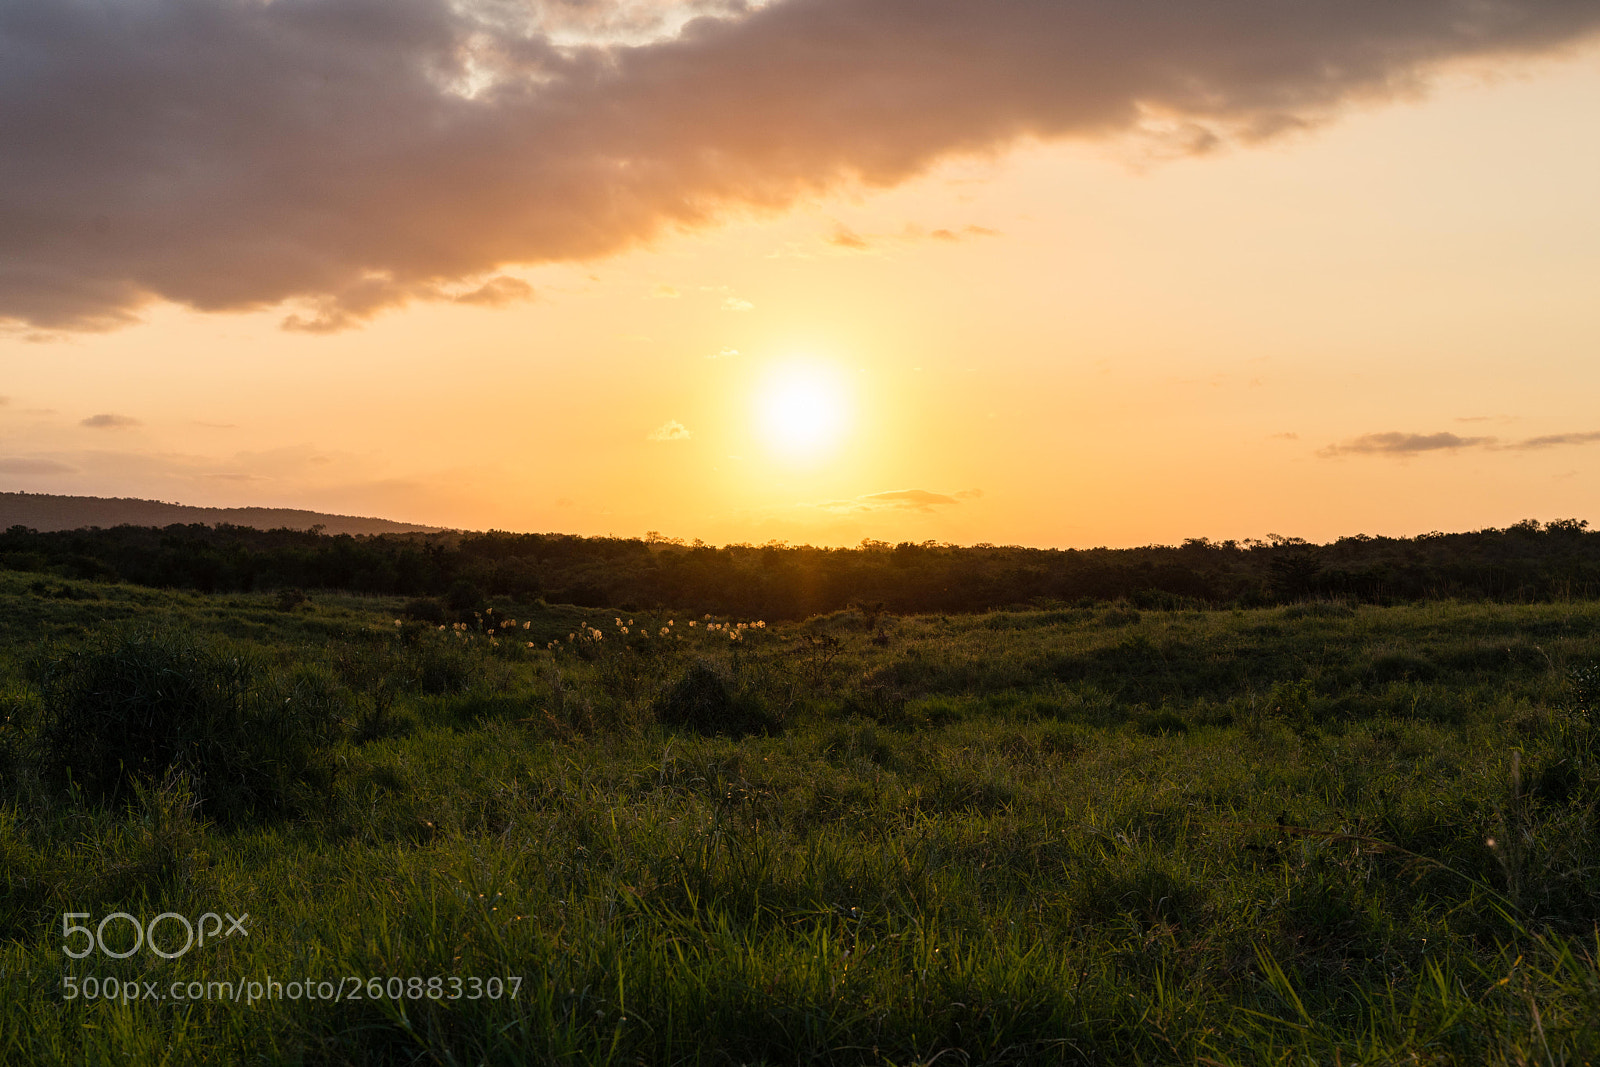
47, 513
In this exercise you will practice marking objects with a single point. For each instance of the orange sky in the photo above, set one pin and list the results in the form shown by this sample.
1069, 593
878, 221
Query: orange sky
1115, 314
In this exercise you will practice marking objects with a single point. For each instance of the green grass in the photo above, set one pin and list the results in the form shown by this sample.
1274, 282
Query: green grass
1096, 836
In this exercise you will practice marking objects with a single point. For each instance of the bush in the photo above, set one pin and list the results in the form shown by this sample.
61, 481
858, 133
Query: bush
290, 599
136, 705
424, 609
464, 598
700, 701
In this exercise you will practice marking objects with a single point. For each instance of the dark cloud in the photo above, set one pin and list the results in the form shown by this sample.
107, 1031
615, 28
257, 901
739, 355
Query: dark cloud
110, 422
356, 154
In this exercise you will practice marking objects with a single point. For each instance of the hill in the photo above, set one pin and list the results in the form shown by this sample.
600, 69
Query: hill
47, 513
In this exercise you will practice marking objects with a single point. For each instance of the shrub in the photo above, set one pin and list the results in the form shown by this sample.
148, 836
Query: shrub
464, 598
424, 609
700, 701
290, 599
138, 704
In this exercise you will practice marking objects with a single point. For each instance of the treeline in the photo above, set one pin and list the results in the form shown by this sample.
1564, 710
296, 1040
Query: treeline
1529, 561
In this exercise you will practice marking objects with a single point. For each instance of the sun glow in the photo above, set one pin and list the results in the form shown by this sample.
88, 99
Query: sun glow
802, 411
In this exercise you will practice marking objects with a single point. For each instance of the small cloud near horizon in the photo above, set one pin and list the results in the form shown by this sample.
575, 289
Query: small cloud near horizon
726, 353
108, 421
24, 465
1554, 439
1407, 444
671, 430
921, 500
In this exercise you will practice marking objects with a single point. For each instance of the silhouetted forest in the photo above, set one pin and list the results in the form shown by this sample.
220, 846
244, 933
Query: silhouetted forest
1529, 561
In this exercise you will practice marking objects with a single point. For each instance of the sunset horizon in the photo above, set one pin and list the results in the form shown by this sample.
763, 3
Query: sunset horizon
807, 271
862, 532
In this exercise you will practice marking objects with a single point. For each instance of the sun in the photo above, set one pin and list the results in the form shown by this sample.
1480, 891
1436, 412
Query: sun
802, 411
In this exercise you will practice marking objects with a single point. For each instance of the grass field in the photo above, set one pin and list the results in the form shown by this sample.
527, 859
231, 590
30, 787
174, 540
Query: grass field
1312, 834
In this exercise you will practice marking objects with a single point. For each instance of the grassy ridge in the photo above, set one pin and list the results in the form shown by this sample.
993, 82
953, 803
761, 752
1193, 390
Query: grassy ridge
1099, 835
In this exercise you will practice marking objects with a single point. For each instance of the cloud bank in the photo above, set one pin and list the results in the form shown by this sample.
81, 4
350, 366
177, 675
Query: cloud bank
357, 154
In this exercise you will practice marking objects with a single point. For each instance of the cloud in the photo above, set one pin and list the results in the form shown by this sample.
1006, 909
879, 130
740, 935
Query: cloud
844, 237
1401, 444
730, 302
665, 292
898, 500
671, 430
353, 155
915, 232
726, 353
22, 465
498, 292
1405, 444
110, 422
1554, 439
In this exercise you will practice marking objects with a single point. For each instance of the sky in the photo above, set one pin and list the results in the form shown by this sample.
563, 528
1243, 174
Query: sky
1061, 273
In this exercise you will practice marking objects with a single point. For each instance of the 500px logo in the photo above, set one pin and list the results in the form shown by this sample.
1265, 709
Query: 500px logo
208, 925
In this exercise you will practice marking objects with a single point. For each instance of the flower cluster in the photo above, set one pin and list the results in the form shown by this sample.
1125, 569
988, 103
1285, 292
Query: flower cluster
734, 630
634, 633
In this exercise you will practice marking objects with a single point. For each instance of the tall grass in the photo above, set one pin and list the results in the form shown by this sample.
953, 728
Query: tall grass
1065, 837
